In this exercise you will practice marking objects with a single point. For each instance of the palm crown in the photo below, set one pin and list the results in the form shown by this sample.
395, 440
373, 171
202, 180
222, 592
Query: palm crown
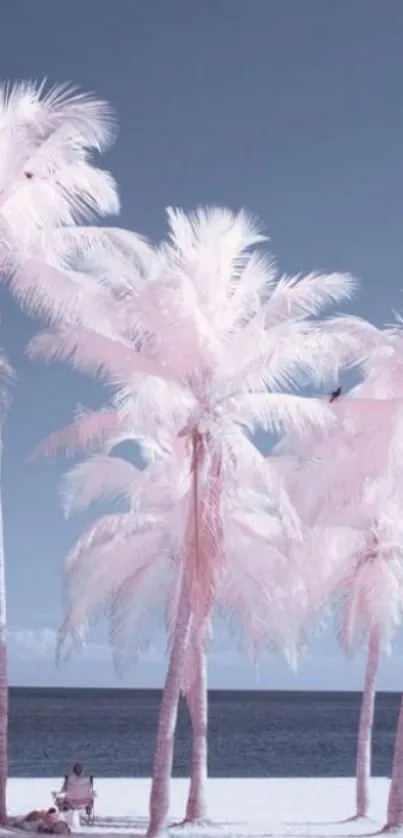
48, 184
201, 341
354, 498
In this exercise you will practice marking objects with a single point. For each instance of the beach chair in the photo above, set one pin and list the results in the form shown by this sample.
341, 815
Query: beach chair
77, 799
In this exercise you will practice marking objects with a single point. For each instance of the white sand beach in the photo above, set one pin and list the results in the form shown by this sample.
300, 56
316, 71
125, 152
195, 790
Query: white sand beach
262, 808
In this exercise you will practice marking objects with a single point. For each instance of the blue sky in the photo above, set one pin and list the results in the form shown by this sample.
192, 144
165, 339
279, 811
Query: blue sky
293, 110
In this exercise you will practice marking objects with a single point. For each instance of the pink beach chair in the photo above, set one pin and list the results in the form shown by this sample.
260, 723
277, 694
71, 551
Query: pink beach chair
77, 794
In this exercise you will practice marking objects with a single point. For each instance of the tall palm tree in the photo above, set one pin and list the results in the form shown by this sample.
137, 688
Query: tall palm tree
6, 376
357, 575
373, 586
385, 378
47, 185
361, 489
125, 565
105, 477
371, 610
205, 339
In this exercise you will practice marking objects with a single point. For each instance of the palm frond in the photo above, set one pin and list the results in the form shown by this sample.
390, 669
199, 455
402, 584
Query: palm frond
90, 429
76, 193
96, 353
213, 227
109, 531
43, 134
101, 476
137, 609
99, 534
306, 296
279, 412
95, 579
59, 295
7, 378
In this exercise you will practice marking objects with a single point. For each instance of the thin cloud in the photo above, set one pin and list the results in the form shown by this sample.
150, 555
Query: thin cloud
40, 644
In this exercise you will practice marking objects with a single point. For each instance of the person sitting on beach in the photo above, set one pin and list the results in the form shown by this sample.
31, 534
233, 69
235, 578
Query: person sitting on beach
43, 820
77, 791
53, 823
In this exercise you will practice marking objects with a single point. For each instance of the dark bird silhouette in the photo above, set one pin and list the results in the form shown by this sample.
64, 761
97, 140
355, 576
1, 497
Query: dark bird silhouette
335, 395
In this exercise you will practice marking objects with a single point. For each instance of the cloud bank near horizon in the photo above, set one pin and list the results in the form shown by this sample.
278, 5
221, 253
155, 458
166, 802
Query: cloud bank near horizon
31, 655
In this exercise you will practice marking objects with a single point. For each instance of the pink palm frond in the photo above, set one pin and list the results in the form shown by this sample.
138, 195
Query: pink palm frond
90, 429
96, 353
305, 296
137, 609
48, 184
92, 586
101, 476
45, 140
7, 378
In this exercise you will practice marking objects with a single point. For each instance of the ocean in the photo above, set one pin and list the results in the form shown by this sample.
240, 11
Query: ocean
251, 734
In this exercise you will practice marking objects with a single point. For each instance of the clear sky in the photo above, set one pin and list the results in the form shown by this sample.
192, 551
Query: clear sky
292, 109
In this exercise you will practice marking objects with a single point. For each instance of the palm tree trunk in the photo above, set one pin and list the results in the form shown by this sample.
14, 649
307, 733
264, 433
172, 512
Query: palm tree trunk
196, 808
164, 749
364, 747
3, 676
395, 801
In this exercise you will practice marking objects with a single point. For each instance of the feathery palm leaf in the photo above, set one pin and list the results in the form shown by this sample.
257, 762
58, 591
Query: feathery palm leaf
48, 184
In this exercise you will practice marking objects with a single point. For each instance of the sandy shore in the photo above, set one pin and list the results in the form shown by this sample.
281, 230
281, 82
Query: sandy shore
265, 808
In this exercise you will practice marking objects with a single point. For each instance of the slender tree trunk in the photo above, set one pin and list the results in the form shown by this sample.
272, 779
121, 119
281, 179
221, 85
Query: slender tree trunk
196, 808
164, 749
395, 801
364, 746
3, 676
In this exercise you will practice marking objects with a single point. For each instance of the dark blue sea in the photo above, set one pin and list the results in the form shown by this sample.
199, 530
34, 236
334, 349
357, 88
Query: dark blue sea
251, 734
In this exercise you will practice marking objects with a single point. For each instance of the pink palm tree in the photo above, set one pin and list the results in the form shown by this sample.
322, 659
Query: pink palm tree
6, 377
394, 818
372, 609
47, 184
125, 565
205, 340
106, 477
359, 574
159, 489
360, 490
374, 605
385, 378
